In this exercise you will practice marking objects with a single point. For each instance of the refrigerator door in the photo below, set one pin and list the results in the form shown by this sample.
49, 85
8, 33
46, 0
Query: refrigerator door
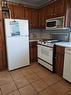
15, 27
17, 52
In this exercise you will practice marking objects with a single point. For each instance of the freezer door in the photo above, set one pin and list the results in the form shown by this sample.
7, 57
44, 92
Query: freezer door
17, 52
23, 25
14, 27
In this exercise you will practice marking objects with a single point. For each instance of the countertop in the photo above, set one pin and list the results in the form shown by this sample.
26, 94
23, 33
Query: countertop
32, 40
64, 44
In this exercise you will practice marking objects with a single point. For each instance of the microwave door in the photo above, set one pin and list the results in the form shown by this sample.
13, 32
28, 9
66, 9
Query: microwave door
51, 24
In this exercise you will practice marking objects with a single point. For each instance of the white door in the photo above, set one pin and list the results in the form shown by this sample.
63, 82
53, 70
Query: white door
17, 52
67, 65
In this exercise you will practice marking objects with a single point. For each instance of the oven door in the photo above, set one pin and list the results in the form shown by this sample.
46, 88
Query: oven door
45, 53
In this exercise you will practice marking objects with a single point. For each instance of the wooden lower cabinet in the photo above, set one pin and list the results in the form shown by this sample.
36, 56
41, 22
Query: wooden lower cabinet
33, 51
3, 64
2, 44
59, 60
1, 60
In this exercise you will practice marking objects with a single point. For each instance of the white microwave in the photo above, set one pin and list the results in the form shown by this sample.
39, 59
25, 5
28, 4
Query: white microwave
55, 23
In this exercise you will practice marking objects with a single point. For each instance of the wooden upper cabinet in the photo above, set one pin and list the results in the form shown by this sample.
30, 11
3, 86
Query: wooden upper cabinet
32, 15
44, 14
59, 8
56, 9
42, 17
11, 8
34, 18
37, 17
16, 11
50, 10
27, 12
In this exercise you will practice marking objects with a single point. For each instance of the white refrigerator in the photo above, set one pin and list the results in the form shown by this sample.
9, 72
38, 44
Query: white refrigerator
17, 43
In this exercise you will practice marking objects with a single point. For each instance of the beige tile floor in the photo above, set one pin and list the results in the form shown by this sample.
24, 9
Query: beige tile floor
33, 80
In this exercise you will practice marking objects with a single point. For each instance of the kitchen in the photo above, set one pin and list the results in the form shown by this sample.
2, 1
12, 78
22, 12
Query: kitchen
37, 17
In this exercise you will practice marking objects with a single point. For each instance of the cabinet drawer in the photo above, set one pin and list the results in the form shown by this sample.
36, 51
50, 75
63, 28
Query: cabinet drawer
60, 49
33, 44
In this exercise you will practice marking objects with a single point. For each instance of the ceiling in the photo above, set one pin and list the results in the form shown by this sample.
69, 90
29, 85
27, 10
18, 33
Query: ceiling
35, 3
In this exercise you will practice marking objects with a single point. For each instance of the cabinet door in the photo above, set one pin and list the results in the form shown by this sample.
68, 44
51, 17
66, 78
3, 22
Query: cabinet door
11, 8
59, 60
34, 18
23, 12
49, 13
19, 12
33, 54
16, 11
59, 64
32, 15
1, 60
60, 7
42, 19
33, 51
27, 12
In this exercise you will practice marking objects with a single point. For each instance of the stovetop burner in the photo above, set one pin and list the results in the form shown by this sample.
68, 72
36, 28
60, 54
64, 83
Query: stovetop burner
49, 42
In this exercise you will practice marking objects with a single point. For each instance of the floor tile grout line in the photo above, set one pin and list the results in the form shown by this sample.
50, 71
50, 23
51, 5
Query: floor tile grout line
64, 84
66, 92
31, 85
40, 79
25, 85
34, 81
44, 81
34, 87
56, 83
6, 84
15, 83
38, 92
1, 91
